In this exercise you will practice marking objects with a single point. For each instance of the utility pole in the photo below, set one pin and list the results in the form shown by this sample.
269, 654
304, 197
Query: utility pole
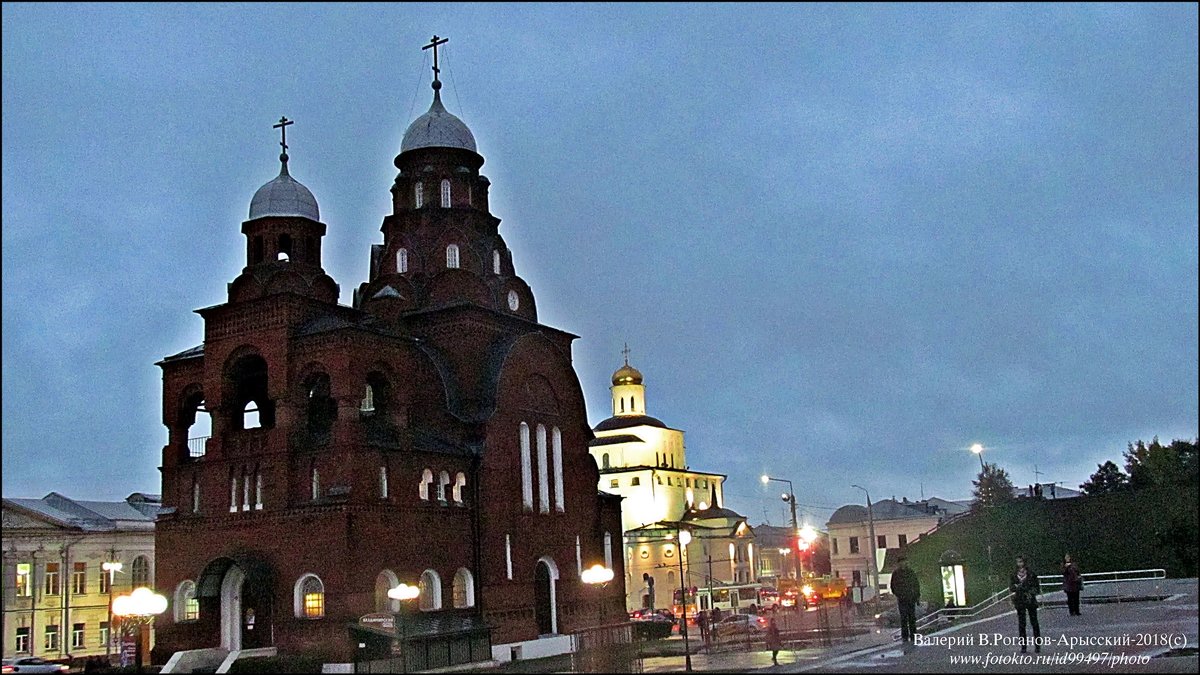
872, 567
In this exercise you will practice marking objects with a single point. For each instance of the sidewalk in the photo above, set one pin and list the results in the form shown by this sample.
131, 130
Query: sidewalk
759, 659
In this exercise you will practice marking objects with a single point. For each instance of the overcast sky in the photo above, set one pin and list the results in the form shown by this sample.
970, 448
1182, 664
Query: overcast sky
843, 242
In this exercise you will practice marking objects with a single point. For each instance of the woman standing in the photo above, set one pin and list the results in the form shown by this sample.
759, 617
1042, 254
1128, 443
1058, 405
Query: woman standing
1025, 589
774, 642
1072, 584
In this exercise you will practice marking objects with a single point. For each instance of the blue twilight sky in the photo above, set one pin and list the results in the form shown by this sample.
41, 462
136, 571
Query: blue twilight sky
843, 242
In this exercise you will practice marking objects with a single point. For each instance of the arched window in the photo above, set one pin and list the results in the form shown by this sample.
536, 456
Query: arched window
419, 195
285, 246
384, 582
464, 588
139, 574
452, 256
257, 254
245, 489
309, 598
187, 607
526, 469
460, 481
383, 484
368, 403
445, 193
250, 416
543, 471
556, 451
604, 461
258, 503
443, 481
402, 261
496, 262
671, 579
233, 494
426, 481
430, 585
321, 408
247, 387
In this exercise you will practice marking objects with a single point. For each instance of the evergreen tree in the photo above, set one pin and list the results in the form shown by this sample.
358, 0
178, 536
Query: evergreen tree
993, 487
1157, 464
1108, 478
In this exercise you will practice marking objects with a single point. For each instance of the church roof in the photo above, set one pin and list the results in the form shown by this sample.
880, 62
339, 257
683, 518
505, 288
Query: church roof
612, 440
626, 421
284, 196
92, 516
437, 128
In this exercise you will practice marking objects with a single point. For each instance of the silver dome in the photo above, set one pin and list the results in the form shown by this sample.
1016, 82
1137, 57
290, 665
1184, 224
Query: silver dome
284, 196
437, 129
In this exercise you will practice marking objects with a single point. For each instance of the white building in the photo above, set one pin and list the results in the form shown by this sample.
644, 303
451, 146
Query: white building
55, 593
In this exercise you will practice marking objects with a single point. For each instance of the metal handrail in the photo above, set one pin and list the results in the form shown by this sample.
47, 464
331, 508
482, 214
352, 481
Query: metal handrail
197, 446
945, 614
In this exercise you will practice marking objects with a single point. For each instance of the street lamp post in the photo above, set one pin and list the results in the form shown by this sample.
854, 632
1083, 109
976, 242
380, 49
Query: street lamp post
404, 594
111, 567
137, 610
685, 538
873, 567
598, 575
793, 542
978, 450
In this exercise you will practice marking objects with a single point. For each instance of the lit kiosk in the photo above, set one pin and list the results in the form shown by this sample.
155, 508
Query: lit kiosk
954, 592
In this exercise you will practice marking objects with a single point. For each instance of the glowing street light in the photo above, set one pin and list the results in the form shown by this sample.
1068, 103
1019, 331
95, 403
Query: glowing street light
111, 567
137, 610
597, 574
405, 594
978, 450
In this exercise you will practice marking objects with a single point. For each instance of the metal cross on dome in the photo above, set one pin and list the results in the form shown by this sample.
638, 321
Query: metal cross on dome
434, 44
626, 353
282, 127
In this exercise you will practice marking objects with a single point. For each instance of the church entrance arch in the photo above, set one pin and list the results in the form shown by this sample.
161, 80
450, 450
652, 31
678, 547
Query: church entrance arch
231, 608
241, 588
545, 605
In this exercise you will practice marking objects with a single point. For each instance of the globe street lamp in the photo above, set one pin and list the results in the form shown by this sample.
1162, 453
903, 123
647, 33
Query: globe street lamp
137, 610
598, 575
403, 594
111, 567
790, 498
685, 538
978, 450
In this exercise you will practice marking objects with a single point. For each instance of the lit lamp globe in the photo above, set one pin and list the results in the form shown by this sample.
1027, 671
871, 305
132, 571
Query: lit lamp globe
597, 574
142, 602
404, 592
807, 534
765, 479
685, 537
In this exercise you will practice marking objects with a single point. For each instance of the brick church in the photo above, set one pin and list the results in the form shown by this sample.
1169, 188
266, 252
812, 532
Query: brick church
432, 434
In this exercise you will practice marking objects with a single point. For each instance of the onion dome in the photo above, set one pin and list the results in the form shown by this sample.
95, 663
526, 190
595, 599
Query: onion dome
437, 129
284, 196
627, 374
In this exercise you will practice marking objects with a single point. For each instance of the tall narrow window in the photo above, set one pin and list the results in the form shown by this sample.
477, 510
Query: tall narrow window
460, 482
402, 261
445, 194
233, 494
443, 481
25, 581
245, 490
51, 578
187, 607
77, 631
250, 417
556, 445
526, 470
732, 561
543, 471
383, 486
368, 403
430, 585
140, 572
426, 481
79, 579
604, 461
258, 503
578, 555
452, 256
508, 556
608, 550
464, 588
495, 262
419, 195
195, 495
309, 599
315, 480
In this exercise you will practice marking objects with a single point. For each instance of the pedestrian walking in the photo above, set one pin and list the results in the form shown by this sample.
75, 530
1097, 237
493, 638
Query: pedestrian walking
1072, 584
702, 622
1025, 589
907, 589
774, 641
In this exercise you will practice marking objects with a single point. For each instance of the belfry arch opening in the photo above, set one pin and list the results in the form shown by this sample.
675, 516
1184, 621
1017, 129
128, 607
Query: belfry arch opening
195, 422
320, 407
247, 381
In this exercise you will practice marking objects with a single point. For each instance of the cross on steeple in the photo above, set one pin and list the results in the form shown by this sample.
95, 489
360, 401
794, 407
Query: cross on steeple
434, 44
282, 127
626, 353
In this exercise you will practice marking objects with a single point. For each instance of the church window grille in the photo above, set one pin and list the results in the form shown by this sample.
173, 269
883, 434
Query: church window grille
402, 261
495, 262
430, 585
543, 471
426, 481
140, 572
233, 494
309, 597
452, 257
526, 469
445, 194
556, 449
464, 588
443, 481
419, 195
460, 482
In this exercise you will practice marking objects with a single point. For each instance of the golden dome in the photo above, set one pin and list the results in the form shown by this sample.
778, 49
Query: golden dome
627, 374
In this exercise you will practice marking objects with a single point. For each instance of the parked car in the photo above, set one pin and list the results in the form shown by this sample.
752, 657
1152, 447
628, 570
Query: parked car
740, 624
32, 664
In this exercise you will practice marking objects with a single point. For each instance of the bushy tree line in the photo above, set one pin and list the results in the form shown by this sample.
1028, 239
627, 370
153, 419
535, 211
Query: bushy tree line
1147, 465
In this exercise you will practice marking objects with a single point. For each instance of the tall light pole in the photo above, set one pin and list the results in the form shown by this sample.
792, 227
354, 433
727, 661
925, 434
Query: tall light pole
873, 567
685, 538
978, 450
403, 594
598, 575
137, 610
111, 567
793, 542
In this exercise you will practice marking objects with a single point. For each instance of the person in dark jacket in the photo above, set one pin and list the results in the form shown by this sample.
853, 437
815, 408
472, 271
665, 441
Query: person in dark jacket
1025, 589
907, 589
1072, 584
774, 641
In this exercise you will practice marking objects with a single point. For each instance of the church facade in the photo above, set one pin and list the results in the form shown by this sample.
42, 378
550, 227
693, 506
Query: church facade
432, 434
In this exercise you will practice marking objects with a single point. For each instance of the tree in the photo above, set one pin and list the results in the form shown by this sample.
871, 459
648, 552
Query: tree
993, 487
1108, 478
1158, 464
